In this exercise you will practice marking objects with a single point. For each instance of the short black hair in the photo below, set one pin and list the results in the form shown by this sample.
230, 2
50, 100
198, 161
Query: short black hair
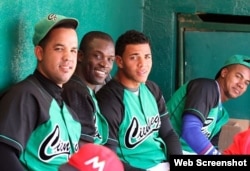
88, 38
130, 37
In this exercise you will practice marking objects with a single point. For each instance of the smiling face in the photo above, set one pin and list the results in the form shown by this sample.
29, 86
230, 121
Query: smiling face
134, 65
97, 62
234, 81
57, 59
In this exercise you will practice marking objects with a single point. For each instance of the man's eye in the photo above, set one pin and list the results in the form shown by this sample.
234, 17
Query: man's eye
112, 59
74, 51
58, 49
133, 57
97, 56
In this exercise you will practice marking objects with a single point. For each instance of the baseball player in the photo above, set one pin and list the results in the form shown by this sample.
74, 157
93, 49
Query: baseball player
95, 61
140, 130
38, 131
196, 108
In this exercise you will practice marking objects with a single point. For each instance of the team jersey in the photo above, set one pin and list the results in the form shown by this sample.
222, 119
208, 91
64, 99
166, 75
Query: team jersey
38, 124
83, 101
135, 120
203, 101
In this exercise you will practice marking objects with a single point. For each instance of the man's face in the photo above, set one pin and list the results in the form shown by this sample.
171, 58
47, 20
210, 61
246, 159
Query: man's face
236, 80
98, 61
57, 60
135, 64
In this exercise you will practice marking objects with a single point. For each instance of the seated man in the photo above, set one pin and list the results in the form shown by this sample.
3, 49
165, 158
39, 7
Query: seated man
196, 108
38, 131
95, 60
140, 131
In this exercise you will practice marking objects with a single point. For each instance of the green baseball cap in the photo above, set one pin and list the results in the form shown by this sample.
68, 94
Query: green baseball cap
47, 23
236, 59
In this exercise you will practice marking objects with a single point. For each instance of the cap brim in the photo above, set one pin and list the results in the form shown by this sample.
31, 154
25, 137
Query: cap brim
69, 21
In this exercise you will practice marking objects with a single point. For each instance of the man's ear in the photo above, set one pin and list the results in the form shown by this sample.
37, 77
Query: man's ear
119, 61
80, 56
224, 72
39, 53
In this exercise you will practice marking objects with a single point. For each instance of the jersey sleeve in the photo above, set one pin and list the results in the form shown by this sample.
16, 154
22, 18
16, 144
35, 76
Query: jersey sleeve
202, 96
19, 115
166, 132
77, 97
109, 98
8, 155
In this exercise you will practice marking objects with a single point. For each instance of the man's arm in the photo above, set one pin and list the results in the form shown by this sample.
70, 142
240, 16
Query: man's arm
192, 134
9, 159
169, 136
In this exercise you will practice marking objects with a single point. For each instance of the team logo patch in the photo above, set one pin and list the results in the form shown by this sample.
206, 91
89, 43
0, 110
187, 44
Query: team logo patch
95, 163
52, 17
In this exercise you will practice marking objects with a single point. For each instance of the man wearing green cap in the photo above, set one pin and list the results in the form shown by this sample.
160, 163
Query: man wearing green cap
38, 131
196, 110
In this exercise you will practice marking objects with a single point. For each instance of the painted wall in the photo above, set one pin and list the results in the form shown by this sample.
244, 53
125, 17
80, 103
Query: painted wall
160, 22
18, 18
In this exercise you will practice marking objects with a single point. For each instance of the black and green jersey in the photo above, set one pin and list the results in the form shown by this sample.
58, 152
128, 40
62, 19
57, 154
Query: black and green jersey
135, 122
101, 125
83, 101
203, 101
38, 124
